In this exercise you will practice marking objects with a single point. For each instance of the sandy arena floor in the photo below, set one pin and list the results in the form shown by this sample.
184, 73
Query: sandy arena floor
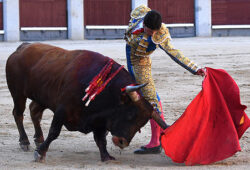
176, 87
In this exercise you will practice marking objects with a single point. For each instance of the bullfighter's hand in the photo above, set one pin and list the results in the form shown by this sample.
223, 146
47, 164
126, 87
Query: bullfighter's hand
201, 72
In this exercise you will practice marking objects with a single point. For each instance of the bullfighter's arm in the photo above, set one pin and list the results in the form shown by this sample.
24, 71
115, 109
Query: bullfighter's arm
178, 57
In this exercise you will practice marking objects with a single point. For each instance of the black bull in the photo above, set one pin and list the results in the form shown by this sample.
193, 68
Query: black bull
56, 79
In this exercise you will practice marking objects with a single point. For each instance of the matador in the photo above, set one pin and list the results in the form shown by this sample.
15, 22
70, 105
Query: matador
144, 35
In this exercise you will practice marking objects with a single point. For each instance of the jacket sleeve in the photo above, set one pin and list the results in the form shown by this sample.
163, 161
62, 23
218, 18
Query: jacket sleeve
178, 57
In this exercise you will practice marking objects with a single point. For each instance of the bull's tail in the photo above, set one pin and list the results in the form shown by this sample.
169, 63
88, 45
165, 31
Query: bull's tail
13, 72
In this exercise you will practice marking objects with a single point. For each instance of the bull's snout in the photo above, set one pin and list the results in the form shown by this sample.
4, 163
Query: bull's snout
120, 141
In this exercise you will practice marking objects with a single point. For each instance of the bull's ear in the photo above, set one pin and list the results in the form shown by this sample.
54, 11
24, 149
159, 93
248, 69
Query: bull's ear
125, 98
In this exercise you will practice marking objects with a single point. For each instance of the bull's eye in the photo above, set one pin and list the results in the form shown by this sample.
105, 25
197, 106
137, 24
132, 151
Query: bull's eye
121, 141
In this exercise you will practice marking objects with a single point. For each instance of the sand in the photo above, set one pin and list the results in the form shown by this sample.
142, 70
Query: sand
176, 87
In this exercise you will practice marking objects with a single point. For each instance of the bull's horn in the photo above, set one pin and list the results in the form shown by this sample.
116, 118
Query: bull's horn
156, 117
134, 88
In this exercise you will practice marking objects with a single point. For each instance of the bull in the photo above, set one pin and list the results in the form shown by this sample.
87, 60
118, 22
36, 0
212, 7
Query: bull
54, 78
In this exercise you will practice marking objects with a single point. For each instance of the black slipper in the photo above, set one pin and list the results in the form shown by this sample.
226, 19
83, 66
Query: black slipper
144, 150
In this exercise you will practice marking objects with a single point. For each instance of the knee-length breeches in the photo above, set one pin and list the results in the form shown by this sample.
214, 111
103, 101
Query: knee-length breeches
140, 69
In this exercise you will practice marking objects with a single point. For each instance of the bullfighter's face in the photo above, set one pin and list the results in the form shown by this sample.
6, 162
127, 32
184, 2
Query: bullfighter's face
149, 31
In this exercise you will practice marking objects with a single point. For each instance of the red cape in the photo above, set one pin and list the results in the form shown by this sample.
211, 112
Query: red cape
210, 128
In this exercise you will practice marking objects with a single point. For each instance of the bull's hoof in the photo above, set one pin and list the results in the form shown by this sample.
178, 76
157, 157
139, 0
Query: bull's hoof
25, 147
107, 158
38, 157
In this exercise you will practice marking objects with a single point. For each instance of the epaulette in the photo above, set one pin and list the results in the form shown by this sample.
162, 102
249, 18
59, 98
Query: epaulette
139, 12
137, 16
161, 35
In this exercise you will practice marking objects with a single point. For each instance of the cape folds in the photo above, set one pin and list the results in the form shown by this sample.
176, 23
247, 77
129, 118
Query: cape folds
210, 128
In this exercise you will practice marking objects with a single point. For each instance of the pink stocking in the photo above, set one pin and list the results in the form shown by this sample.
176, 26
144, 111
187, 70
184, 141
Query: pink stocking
155, 132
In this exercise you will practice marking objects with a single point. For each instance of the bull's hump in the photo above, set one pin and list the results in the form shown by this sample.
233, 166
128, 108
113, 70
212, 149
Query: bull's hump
47, 54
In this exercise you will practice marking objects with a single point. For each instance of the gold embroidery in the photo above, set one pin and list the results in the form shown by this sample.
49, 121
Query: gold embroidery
161, 35
144, 61
145, 37
139, 12
195, 68
186, 61
144, 43
191, 64
143, 54
142, 75
141, 49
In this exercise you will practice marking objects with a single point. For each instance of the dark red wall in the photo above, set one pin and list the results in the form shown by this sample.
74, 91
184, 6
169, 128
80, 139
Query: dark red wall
229, 12
107, 12
174, 11
53, 13
43, 13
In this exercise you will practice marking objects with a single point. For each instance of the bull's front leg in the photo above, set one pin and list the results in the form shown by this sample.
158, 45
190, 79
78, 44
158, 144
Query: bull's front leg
101, 142
54, 131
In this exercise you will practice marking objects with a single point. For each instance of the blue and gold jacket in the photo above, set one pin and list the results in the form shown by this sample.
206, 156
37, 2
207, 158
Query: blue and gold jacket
142, 45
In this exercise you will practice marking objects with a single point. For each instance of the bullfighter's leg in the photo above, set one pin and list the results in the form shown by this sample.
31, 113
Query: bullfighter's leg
54, 131
101, 142
36, 112
19, 107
